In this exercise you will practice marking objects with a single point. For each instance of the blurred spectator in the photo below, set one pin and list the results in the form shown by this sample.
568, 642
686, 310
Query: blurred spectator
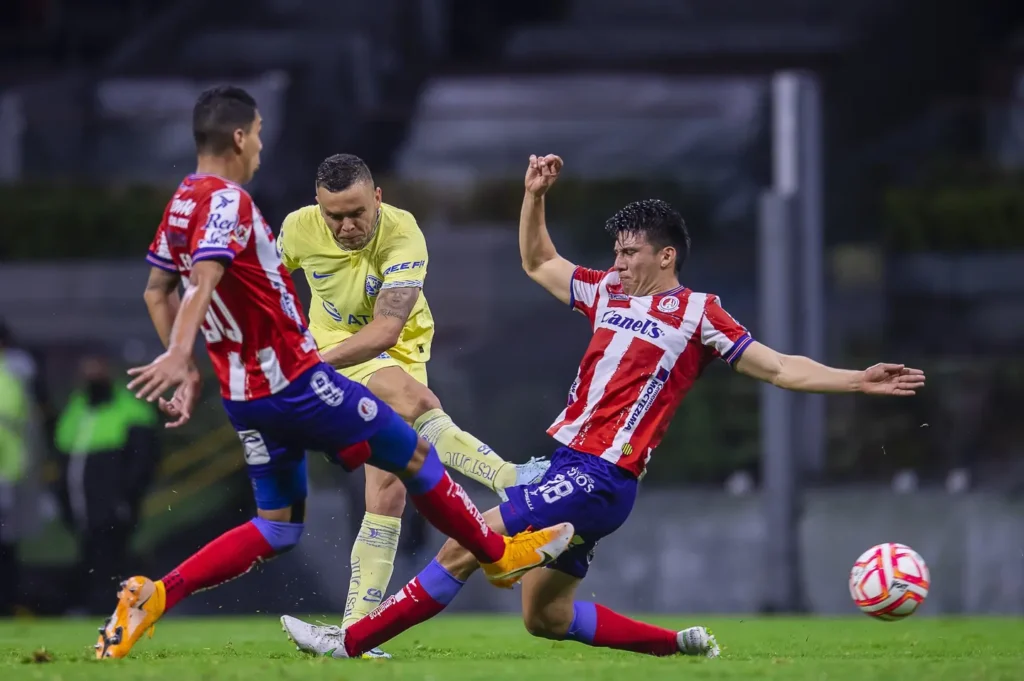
13, 463
26, 366
108, 439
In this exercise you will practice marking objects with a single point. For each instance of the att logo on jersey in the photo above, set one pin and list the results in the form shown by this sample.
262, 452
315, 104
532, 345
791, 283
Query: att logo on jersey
644, 327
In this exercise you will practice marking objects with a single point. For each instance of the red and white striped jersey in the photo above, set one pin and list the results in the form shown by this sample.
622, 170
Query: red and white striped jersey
255, 328
645, 354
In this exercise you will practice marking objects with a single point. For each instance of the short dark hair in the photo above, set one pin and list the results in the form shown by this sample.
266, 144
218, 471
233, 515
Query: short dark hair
658, 222
339, 172
218, 112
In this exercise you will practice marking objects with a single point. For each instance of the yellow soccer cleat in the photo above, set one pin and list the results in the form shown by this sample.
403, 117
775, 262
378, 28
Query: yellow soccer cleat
140, 603
526, 551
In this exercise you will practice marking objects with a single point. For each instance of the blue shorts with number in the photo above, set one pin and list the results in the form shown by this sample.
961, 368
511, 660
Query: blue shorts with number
321, 410
593, 494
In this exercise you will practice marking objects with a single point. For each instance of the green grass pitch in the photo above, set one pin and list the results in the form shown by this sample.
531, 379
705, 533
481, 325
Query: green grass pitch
452, 648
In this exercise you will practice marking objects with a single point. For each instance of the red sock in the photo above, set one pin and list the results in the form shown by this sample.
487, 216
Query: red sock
409, 607
620, 632
448, 508
228, 556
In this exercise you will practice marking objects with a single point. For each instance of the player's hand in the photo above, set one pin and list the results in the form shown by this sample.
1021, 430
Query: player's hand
542, 173
169, 370
892, 379
179, 407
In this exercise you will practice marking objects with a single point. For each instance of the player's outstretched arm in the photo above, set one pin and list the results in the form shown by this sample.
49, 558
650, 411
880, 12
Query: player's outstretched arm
540, 259
175, 368
390, 313
795, 372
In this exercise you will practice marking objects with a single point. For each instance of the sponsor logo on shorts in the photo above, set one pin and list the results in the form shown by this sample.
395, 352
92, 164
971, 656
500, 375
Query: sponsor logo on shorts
367, 409
583, 480
326, 390
254, 448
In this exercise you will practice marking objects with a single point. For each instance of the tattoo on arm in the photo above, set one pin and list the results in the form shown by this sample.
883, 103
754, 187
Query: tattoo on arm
396, 303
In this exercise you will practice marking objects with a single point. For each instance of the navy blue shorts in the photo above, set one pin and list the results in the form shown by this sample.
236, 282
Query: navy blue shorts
321, 410
593, 494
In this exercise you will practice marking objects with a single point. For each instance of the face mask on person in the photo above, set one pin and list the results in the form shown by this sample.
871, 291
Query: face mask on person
99, 391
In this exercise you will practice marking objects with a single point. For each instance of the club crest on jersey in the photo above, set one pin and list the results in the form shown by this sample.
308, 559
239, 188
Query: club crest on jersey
643, 405
367, 409
627, 449
373, 285
670, 304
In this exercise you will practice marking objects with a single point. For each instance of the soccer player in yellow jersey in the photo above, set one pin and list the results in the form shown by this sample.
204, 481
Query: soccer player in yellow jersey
365, 262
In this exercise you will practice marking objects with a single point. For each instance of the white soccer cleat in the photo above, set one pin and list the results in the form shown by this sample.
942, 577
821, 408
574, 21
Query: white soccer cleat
324, 641
376, 654
697, 641
529, 473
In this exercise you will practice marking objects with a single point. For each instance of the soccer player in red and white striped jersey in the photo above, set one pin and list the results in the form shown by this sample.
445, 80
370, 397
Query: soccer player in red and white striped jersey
652, 339
279, 394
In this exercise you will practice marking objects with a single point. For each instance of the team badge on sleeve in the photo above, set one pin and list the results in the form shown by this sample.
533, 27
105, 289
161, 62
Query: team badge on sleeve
373, 285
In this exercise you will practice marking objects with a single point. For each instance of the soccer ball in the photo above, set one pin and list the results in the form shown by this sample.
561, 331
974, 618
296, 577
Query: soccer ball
889, 581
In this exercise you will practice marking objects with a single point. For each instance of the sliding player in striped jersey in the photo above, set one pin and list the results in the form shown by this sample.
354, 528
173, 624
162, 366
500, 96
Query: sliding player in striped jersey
652, 339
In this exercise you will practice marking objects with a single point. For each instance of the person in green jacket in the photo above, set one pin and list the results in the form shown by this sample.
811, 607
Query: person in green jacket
108, 439
13, 462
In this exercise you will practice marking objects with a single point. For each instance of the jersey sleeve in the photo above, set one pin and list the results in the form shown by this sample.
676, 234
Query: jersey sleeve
583, 290
287, 245
223, 225
159, 254
722, 335
404, 259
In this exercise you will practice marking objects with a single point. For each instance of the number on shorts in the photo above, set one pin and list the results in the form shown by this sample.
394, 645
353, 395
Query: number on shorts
325, 389
556, 488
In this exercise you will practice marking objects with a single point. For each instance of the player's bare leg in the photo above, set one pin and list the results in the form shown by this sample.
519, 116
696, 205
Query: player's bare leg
551, 611
142, 601
459, 450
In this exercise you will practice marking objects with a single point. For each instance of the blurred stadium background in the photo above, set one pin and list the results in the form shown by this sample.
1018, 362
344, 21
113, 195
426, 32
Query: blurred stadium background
852, 174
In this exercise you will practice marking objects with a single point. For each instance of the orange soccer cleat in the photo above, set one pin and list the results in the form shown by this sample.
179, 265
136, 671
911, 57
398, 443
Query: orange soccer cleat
140, 603
526, 551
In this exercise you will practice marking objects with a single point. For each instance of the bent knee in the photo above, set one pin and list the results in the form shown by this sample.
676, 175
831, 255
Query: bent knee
282, 536
423, 400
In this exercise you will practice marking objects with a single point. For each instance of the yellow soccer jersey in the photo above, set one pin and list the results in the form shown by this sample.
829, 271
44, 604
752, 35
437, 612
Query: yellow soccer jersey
345, 284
